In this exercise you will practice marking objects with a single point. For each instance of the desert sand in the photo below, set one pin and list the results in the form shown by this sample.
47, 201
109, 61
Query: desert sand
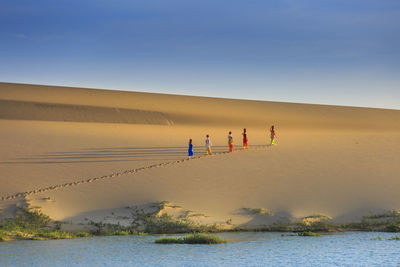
86, 154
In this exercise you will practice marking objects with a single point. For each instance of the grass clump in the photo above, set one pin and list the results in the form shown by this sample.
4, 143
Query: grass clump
33, 225
393, 227
26, 224
82, 234
108, 229
203, 239
54, 235
4, 236
384, 222
167, 224
308, 233
196, 238
26, 221
391, 238
119, 232
389, 214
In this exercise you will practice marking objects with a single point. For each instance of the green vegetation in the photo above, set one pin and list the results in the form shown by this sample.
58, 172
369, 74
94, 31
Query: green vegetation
278, 227
393, 227
119, 232
391, 238
317, 216
308, 233
318, 226
167, 224
154, 222
385, 222
258, 211
389, 214
32, 225
196, 238
108, 229
82, 234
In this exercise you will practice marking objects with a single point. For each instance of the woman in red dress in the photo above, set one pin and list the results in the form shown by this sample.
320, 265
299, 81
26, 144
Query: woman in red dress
245, 140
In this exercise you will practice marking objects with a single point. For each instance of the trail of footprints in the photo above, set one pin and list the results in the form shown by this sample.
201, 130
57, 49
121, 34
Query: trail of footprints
114, 175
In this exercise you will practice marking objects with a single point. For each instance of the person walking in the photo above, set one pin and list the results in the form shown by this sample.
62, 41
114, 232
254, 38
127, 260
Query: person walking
208, 145
272, 135
245, 140
230, 142
190, 149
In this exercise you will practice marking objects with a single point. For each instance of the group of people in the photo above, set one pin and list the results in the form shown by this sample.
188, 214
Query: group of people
208, 142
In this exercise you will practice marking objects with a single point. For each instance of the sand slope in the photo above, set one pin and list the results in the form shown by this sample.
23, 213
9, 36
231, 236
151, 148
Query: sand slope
82, 153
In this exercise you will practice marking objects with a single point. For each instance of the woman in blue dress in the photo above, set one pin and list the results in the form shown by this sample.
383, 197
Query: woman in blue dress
190, 150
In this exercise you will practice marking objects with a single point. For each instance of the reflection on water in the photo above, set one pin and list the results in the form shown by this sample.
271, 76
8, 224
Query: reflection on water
246, 249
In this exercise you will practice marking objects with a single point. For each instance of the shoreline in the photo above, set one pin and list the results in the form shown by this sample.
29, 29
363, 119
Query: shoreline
34, 225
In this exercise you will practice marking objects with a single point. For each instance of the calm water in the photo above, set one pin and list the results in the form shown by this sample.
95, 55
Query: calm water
247, 249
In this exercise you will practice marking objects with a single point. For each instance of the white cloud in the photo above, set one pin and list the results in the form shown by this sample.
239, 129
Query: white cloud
20, 36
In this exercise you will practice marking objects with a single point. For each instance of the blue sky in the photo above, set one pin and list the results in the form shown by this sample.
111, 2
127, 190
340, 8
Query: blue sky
341, 52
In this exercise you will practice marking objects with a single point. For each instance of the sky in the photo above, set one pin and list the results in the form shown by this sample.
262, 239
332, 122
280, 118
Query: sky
339, 52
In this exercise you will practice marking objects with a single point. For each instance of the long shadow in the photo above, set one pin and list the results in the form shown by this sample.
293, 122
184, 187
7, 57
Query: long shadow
112, 154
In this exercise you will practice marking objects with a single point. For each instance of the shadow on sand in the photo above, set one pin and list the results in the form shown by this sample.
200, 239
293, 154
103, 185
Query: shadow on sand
112, 154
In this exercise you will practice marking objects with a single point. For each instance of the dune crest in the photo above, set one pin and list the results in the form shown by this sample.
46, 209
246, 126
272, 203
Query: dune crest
40, 111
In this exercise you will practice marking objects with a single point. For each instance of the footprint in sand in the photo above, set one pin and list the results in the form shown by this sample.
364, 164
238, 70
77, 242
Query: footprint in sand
90, 180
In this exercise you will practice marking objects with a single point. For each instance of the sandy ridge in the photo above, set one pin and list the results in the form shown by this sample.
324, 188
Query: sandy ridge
42, 111
116, 174
83, 104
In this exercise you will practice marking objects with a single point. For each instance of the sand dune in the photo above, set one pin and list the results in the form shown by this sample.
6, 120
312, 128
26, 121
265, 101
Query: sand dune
82, 153
189, 110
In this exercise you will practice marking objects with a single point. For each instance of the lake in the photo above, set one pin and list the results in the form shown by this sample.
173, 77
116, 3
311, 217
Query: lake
244, 249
